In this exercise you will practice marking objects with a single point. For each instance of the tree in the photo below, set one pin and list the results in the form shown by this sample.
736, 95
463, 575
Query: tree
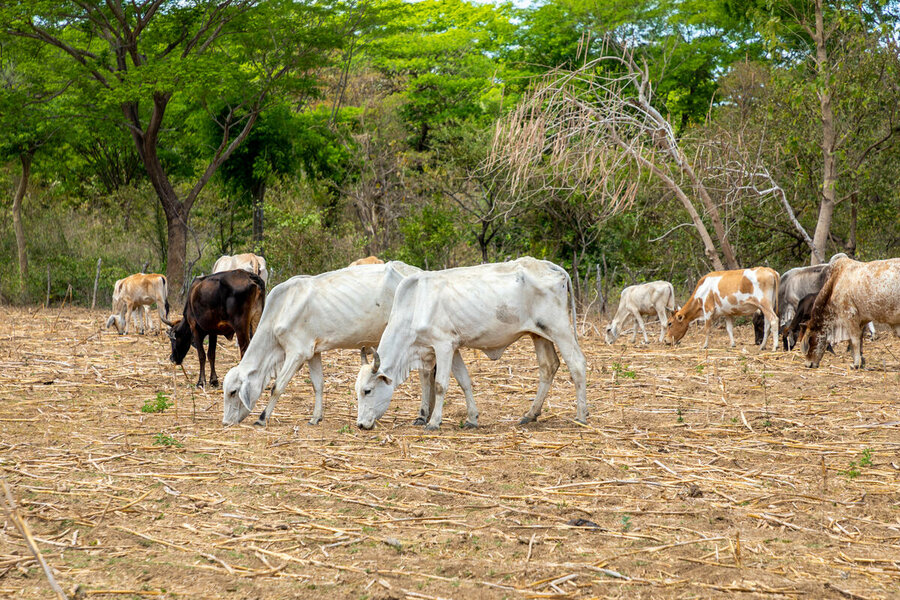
29, 92
586, 124
229, 58
845, 56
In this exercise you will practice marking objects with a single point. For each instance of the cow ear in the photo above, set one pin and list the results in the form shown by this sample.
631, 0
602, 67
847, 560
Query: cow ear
244, 395
680, 318
385, 379
804, 345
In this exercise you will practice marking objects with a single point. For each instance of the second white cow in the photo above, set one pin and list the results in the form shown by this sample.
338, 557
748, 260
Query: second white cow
654, 298
487, 307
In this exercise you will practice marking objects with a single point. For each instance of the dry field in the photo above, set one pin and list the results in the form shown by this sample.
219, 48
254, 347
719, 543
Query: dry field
727, 474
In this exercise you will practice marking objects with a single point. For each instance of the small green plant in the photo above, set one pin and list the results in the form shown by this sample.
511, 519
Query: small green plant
344, 429
163, 439
866, 460
156, 405
620, 370
853, 471
680, 418
626, 522
699, 369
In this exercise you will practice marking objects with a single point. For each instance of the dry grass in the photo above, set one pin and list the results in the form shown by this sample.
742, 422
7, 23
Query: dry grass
721, 474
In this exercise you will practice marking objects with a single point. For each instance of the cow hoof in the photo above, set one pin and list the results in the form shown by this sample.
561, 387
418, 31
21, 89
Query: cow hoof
526, 420
431, 427
419, 421
315, 421
259, 423
470, 425
582, 421
213, 383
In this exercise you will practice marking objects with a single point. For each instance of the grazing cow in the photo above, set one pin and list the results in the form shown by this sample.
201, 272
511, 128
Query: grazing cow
305, 316
369, 260
487, 307
248, 262
226, 303
655, 297
855, 293
794, 285
729, 294
139, 291
791, 332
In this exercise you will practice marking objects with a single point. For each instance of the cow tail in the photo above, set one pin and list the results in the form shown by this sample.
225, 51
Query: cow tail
571, 292
775, 300
818, 315
166, 294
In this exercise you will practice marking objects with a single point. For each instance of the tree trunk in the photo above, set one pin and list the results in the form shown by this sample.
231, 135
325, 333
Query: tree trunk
17, 219
850, 246
259, 194
829, 164
177, 247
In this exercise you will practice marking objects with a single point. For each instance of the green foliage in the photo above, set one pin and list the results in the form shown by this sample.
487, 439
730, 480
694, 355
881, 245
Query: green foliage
620, 370
430, 236
163, 439
854, 470
157, 405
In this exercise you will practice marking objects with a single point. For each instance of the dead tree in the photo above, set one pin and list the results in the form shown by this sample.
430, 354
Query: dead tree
583, 126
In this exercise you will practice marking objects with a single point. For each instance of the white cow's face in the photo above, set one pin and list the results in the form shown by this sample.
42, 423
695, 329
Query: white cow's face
610, 334
373, 396
234, 391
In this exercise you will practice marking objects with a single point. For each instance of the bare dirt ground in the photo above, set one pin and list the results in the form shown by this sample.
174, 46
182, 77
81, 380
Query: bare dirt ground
731, 473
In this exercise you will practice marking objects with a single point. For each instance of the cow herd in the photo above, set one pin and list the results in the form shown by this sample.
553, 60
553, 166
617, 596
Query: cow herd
408, 319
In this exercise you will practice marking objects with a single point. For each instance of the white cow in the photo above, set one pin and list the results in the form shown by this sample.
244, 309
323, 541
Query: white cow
655, 297
248, 262
305, 316
487, 307
138, 293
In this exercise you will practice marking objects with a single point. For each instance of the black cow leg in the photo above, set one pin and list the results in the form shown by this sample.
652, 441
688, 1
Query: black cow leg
213, 378
201, 358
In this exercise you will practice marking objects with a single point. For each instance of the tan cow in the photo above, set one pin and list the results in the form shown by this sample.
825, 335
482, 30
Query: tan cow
369, 260
139, 292
729, 294
854, 294
248, 262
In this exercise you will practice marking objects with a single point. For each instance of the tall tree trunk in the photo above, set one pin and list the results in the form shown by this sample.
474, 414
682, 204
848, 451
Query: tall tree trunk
17, 219
829, 162
259, 194
177, 248
850, 246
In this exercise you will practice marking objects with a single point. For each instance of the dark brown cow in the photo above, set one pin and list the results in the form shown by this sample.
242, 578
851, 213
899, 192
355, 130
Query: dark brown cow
226, 303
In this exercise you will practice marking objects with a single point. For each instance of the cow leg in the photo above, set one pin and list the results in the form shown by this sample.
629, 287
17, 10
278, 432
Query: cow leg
213, 378
708, 329
294, 361
771, 326
461, 373
663, 318
571, 353
201, 358
318, 380
548, 363
426, 379
856, 341
129, 316
634, 327
729, 327
443, 360
640, 322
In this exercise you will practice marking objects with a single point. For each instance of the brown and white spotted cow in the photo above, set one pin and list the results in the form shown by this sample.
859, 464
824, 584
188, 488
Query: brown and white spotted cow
729, 294
855, 293
369, 260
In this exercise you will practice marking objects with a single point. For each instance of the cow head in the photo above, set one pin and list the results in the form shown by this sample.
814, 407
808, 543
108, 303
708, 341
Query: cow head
181, 336
611, 333
676, 327
239, 398
813, 346
373, 391
117, 321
